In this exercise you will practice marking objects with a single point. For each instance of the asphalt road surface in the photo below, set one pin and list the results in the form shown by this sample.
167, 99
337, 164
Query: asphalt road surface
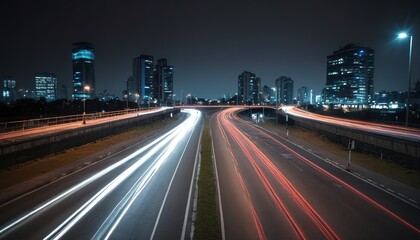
270, 188
143, 192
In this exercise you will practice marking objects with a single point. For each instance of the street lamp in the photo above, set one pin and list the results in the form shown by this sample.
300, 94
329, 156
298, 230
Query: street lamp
86, 88
401, 36
137, 99
126, 100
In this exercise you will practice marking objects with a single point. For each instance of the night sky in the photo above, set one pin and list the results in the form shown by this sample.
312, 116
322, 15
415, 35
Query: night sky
209, 42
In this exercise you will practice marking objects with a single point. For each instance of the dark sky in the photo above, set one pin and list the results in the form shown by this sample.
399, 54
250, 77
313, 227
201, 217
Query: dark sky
209, 42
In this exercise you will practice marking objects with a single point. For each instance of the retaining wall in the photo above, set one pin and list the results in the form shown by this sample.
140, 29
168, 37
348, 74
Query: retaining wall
23, 150
398, 149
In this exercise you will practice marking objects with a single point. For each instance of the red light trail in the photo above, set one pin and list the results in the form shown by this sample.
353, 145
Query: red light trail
255, 156
326, 173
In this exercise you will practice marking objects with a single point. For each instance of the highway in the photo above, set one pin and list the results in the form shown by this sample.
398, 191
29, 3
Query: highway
412, 134
143, 192
270, 188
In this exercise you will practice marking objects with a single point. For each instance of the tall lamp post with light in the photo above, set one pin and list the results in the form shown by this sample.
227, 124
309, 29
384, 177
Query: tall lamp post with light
401, 36
126, 102
137, 100
86, 88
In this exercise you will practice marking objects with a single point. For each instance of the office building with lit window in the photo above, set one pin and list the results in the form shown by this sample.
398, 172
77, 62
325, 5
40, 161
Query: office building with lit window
84, 85
46, 86
164, 78
304, 96
249, 88
143, 83
284, 90
350, 76
8, 90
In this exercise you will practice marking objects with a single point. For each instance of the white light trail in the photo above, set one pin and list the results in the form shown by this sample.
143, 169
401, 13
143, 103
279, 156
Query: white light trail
187, 124
167, 144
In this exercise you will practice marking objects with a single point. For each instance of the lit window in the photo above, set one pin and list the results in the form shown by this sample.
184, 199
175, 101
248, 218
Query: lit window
83, 54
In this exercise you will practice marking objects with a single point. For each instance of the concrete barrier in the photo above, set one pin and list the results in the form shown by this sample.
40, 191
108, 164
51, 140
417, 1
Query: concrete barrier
398, 149
12, 153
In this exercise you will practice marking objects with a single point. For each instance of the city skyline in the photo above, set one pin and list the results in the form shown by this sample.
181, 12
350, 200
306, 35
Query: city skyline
209, 43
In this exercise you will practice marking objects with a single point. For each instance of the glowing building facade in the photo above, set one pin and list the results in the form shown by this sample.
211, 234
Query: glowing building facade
284, 90
164, 77
46, 86
143, 84
8, 90
84, 85
350, 76
249, 88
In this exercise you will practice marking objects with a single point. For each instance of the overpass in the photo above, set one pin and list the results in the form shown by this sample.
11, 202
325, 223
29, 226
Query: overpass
30, 140
401, 144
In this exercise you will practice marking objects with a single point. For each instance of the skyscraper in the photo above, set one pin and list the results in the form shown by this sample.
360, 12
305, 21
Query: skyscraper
143, 83
304, 95
249, 88
46, 86
164, 82
284, 90
350, 76
84, 85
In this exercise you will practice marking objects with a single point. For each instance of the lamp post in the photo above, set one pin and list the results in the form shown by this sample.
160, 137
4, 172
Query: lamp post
137, 99
401, 36
86, 88
149, 101
126, 101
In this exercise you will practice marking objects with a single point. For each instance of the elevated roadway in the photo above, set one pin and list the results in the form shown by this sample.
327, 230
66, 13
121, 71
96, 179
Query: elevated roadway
389, 141
22, 145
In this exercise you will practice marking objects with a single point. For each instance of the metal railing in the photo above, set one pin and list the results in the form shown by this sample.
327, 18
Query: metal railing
45, 122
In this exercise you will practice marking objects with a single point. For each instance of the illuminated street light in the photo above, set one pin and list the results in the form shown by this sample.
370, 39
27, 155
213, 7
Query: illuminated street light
402, 36
86, 88
126, 100
137, 99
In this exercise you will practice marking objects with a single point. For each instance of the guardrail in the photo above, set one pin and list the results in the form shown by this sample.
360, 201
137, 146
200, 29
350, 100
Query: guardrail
44, 122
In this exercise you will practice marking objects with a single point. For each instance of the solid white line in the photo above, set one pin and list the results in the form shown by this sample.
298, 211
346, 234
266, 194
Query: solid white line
65, 226
342, 168
170, 184
197, 161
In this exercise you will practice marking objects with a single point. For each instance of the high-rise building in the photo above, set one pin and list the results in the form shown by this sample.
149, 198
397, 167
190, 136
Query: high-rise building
8, 90
284, 90
143, 83
304, 95
164, 78
268, 95
84, 85
46, 86
249, 88
350, 76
